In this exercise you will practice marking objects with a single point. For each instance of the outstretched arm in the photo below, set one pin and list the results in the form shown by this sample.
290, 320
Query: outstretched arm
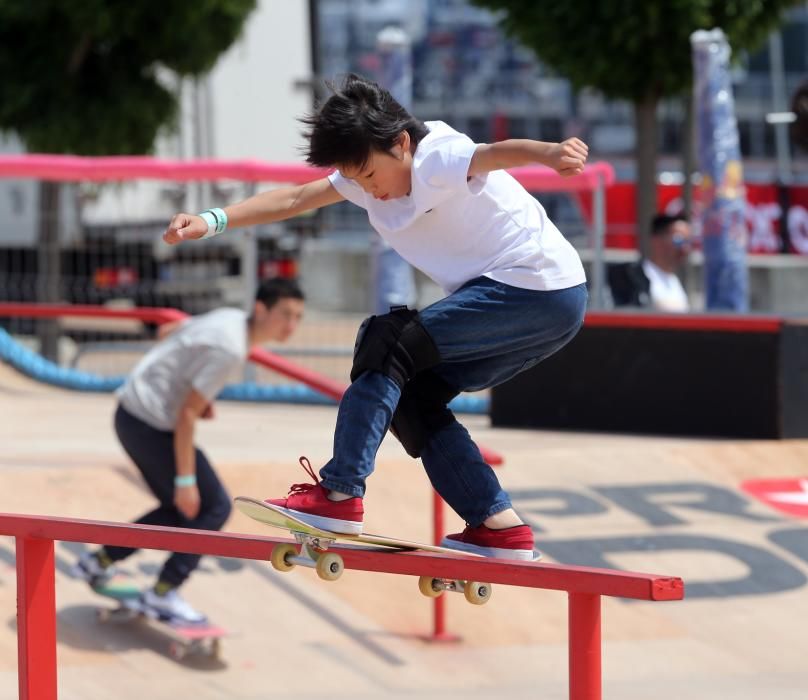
263, 208
566, 158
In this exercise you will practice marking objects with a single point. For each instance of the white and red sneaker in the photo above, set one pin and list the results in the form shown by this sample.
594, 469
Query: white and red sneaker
509, 543
311, 504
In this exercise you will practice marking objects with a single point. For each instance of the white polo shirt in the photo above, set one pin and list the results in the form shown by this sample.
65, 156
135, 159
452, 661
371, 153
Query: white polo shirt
454, 228
201, 354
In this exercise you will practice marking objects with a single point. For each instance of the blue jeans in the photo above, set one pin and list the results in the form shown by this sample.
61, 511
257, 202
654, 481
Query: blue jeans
486, 333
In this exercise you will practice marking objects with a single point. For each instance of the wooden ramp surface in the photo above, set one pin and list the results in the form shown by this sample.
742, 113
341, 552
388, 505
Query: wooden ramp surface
660, 505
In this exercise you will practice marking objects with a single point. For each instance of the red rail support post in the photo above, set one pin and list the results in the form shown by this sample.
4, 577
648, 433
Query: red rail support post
439, 633
36, 618
584, 646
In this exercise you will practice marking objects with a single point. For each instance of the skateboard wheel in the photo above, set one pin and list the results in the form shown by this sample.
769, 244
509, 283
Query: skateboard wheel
329, 566
477, 593
426, 584
279, 554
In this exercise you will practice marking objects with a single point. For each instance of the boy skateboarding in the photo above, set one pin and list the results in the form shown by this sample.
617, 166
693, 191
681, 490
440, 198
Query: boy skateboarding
515, 295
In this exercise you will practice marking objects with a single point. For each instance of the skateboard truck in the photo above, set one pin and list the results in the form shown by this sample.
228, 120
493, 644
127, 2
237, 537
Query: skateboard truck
329, 567
313, 554
475, 592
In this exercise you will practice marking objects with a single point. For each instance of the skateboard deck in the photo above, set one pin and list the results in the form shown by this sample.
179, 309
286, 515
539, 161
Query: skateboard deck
314, 542
277, 517
184, 639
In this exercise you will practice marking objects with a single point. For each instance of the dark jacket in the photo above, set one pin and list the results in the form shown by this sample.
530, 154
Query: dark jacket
629, 285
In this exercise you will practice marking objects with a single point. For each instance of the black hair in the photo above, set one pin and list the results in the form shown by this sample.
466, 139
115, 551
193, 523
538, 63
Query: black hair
271, 291
358, 118
662, 222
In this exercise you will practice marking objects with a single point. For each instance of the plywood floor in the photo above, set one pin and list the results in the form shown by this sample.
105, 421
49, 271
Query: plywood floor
658, 505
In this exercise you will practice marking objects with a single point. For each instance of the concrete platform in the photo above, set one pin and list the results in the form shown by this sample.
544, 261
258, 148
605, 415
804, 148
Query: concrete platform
659, 505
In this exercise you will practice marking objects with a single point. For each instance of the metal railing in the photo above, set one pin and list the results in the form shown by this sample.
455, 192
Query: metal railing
36, 584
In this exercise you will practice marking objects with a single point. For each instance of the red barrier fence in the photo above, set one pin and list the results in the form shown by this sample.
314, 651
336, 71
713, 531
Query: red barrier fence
66, 168
36, 596
587, 189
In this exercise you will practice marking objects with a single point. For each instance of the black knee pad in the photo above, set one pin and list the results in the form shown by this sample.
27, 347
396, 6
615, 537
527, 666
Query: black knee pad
421, 411
395, 344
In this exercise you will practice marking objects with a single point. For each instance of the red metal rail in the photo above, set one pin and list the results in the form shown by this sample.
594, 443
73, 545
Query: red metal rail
147, 314
36, 609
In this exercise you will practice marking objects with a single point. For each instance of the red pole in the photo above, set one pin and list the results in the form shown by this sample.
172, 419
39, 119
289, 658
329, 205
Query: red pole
439, 633
584, 646
36, 619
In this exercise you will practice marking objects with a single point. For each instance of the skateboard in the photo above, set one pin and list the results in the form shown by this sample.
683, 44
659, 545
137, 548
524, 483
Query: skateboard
185, 639
313, 544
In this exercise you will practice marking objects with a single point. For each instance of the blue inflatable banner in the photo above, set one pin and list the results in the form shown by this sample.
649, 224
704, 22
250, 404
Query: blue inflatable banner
723, 228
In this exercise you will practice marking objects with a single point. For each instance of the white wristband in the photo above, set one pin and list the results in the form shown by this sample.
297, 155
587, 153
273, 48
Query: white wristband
216, 220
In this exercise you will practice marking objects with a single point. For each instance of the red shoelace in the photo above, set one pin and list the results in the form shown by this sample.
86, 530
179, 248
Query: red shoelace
302, 488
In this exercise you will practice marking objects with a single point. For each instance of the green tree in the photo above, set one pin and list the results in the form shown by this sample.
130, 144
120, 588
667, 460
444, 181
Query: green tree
89, 78
637, 50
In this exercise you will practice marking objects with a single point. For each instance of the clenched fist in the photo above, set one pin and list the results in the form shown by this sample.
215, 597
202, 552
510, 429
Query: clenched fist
568, 157
185, 227
187, 501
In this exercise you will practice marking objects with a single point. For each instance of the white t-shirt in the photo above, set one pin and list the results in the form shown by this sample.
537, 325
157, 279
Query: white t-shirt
667, 292
201, 354
455, 229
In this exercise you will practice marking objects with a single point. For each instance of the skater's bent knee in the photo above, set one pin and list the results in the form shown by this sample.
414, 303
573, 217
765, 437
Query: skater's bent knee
395, 344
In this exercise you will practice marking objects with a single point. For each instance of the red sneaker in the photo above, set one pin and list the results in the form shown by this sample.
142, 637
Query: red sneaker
509, 543
311, 504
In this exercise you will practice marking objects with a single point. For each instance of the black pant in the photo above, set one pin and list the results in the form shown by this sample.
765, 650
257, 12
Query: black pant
152, 451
